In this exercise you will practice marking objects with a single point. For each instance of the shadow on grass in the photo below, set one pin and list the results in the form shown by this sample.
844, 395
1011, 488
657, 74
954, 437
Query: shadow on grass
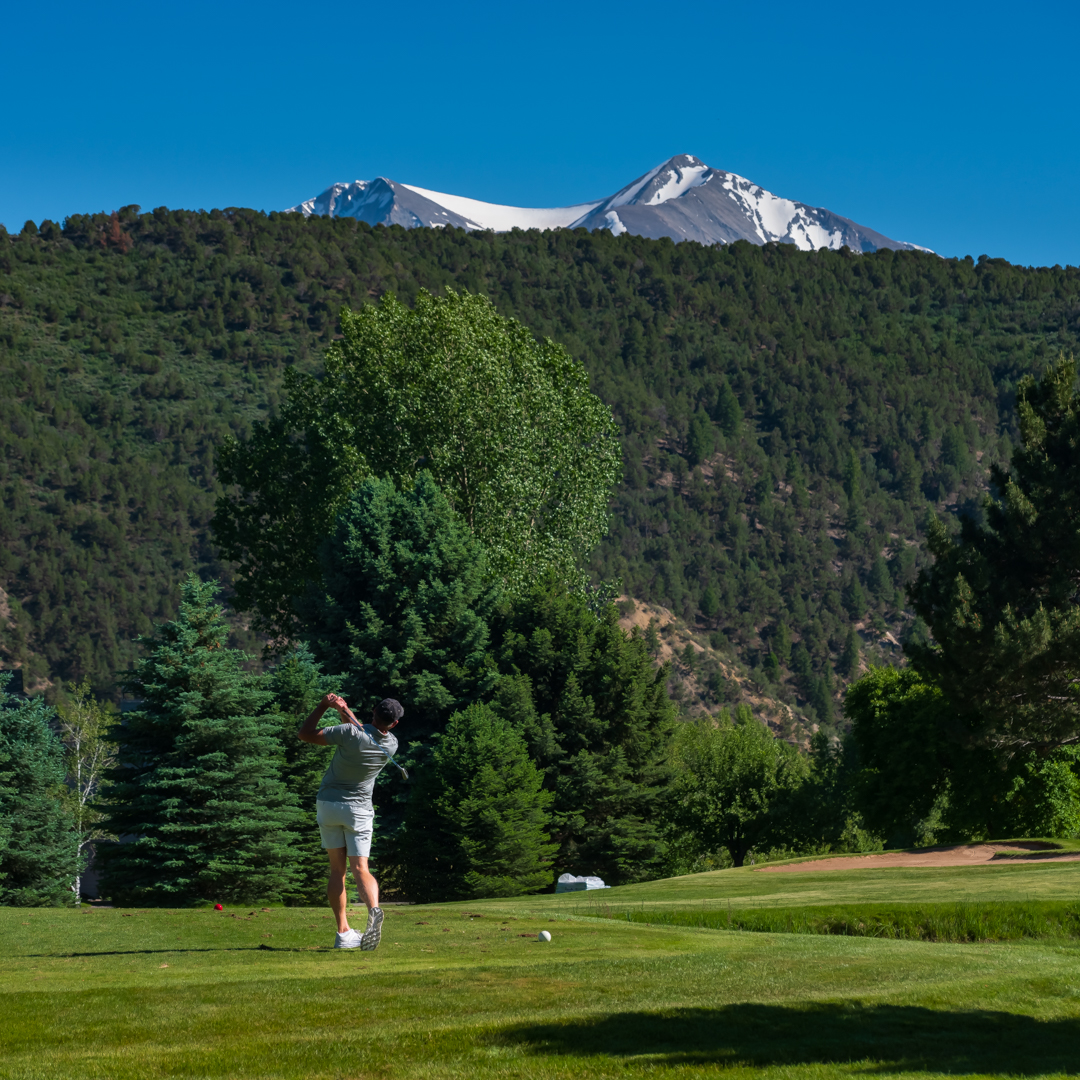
887, 1037
149, 952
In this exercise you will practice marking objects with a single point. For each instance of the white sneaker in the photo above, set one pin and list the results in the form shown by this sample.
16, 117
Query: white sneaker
373, 934
349, 940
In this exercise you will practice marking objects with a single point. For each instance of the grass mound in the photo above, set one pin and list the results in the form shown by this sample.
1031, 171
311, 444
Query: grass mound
951, 922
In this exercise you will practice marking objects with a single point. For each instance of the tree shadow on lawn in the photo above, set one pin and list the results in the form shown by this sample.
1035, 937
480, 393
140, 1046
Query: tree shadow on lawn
889, 1037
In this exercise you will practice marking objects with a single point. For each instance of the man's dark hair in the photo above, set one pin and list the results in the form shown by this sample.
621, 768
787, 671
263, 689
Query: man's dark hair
389, 711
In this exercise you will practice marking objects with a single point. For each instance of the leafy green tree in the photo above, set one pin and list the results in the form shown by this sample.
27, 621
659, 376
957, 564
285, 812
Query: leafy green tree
823, 815
1003, 600
298, 684
900, 730
731, 780
39, 858
506, 425
594, 712
404, 602
197, 783
921, 779
478, 818
89, 753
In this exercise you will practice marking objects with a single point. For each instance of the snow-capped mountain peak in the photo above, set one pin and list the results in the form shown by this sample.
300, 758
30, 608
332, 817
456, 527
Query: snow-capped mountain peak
682, 198
668, 181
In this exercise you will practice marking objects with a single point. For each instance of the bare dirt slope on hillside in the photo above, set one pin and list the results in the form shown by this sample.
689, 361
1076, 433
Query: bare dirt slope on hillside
953, 855
689, 684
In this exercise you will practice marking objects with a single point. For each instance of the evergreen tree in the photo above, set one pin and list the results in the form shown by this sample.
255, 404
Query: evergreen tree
781, 642
821, 697
880, 583
1003, 600
39, 857
403, 605
772, 667
478, 816
198, 784
710, 603
298, 684
701, 438
849, 658
727, 413
595, 714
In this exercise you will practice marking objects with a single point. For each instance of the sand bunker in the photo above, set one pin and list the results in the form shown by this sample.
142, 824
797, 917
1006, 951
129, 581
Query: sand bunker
954, 855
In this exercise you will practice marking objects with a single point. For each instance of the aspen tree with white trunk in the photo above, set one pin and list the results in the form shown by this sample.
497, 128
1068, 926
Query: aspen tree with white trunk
84, 725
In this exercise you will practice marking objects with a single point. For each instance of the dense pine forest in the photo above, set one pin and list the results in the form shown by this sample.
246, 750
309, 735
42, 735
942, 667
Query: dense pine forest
790, 420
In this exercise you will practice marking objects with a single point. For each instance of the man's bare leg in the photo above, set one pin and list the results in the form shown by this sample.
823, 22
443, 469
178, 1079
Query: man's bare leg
365, 882
335, 887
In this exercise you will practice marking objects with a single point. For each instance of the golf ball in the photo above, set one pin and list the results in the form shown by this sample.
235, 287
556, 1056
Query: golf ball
544, 935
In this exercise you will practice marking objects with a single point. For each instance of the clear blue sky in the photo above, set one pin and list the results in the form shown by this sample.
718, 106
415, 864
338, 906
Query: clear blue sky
952, 125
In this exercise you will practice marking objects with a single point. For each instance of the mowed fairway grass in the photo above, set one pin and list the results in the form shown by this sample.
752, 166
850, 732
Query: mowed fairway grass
466, 990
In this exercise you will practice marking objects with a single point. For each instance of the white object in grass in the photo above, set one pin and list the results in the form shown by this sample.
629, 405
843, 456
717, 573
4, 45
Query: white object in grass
570, 883
543, 936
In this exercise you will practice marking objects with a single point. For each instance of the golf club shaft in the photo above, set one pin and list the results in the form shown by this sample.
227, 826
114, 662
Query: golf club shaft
352, 720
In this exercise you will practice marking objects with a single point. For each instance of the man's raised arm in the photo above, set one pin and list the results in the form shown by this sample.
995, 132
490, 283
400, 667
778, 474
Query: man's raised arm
309, 731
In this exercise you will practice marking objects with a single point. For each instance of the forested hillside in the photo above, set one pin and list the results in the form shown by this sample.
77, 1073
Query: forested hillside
789, 419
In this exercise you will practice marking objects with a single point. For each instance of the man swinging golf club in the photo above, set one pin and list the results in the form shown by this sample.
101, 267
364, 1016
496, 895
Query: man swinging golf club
345, 813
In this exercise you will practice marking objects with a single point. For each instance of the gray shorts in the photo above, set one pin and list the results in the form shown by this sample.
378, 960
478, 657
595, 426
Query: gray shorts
343, 825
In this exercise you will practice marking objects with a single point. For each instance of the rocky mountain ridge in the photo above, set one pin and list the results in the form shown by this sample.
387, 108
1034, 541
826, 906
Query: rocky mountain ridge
683, 199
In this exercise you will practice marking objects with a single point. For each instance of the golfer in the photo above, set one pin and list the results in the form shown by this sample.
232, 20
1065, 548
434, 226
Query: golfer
345, 814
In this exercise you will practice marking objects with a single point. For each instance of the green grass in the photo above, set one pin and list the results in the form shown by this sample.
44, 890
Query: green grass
123, 994
1030, 878
996, 920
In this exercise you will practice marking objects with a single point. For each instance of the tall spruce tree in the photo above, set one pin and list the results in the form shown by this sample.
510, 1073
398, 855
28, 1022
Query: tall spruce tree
1003, 600
39, 857
594, 711
298, 683
477, 820
403, 604
197, 785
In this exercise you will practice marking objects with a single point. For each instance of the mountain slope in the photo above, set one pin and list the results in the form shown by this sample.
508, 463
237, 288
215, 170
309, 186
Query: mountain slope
683, 199
788, 418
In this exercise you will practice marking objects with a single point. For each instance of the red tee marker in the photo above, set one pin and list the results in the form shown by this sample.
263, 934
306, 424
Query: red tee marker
218, 907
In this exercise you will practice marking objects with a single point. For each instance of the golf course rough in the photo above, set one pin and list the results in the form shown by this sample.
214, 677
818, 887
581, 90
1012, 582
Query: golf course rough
468, 990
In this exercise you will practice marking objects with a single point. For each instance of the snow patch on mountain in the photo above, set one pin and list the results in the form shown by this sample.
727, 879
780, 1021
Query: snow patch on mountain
613, 222
682, 198
485, 215
680, 181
